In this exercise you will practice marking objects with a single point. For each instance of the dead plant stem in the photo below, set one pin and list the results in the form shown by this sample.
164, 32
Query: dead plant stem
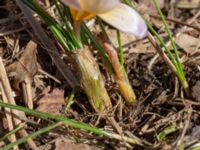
161, 53
8, 93
12, 137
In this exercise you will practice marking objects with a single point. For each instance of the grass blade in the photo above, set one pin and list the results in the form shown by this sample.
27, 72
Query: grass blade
177, 63
75, 124
175, 59
31, 136
121, 54
179, 66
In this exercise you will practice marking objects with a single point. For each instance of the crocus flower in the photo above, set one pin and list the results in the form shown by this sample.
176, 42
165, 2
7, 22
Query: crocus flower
112, 12
119, 16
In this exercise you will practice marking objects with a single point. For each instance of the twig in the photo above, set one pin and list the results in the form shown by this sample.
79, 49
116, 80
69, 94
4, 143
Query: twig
178, 22
12, 137
8, 92
187, 123
49, 75
151, 62
115, 125
176, 88
185, 27
27, 81
161, 52
6, 20
7, 89
27, 93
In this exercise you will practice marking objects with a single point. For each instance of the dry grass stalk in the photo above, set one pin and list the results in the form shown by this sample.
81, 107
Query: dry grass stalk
8, 93
27, 93
31, 70
12, 137
161, 53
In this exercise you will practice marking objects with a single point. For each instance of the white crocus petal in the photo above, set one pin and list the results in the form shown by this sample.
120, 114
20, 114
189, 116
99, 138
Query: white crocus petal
125, 19
72, 3
98, 6
93, 6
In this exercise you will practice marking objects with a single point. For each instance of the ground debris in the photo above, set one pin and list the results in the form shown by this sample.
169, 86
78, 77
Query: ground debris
62, 144
161, 100
51, 102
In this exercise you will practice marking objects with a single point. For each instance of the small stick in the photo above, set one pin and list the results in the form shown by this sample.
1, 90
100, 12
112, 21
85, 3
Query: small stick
185, 27
161, 53
8, 93
7, 89
31, 69
5, 33
186, 126
49, 75
178, 22
12, 137
27, 93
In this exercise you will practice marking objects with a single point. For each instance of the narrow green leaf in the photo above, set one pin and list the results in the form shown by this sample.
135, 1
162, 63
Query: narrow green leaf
31, 136
121, 54
58, 118
179, 65
169, 130
19, 127
69, 122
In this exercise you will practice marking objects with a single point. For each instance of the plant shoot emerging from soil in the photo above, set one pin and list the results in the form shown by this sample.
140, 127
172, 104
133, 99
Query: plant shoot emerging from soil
119, 16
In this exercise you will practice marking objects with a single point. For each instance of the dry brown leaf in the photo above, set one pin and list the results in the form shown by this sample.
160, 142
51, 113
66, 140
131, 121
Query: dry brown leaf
25, 67
63, 144
52, 102
187, 42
